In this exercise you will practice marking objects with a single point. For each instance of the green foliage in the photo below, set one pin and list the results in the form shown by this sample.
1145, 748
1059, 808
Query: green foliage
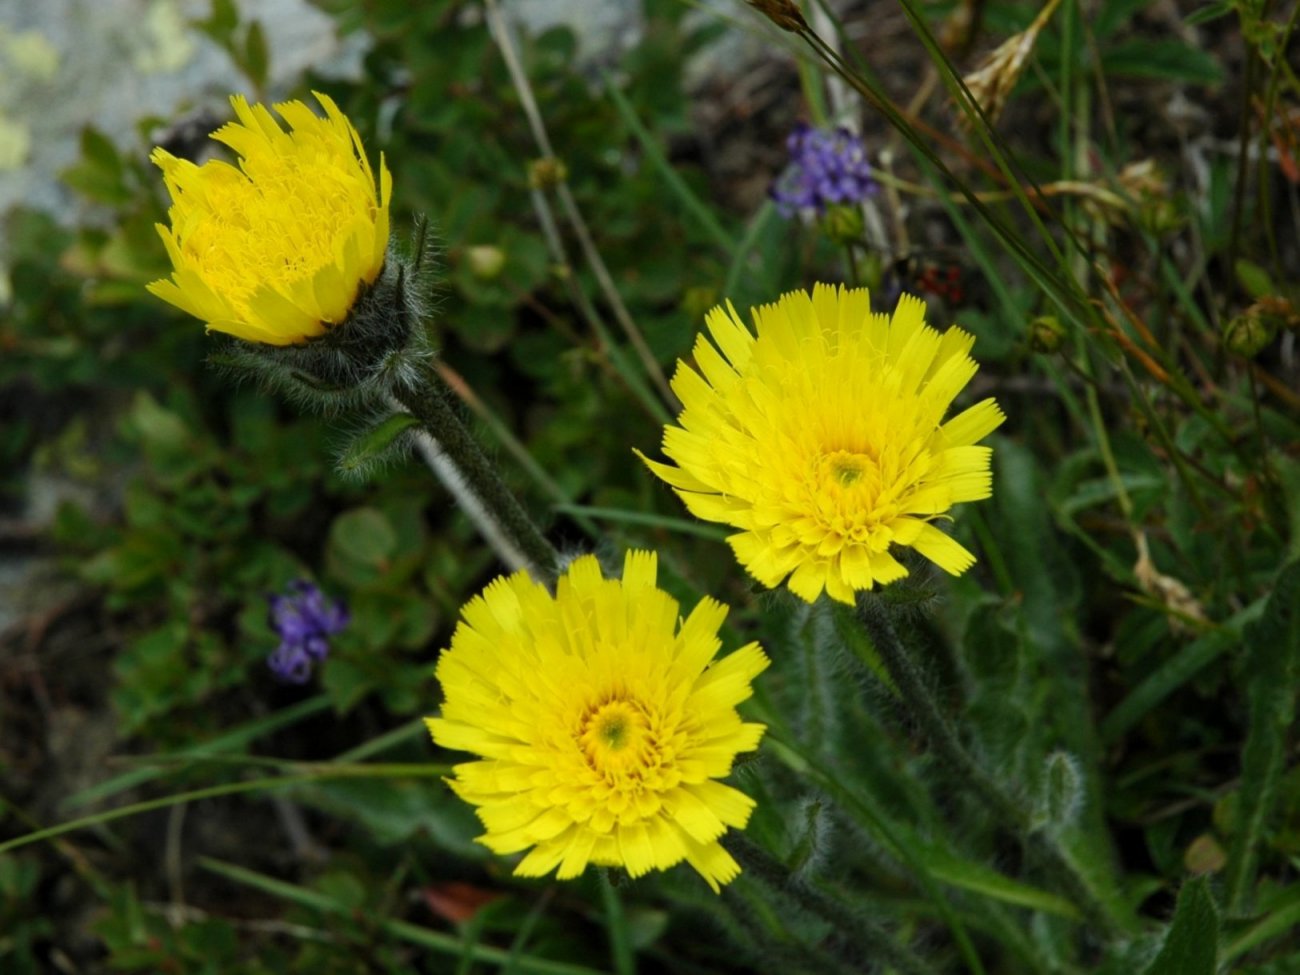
1120, 661
1191, 947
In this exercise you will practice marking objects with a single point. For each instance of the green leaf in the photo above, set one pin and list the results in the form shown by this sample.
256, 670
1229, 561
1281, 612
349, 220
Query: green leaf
1164, 60
1212, 11
1281, 916
257, 57
1113, 15
1176, 672
1192, 945
363, 535
1272, 664
1254, 278
990, 647
371, 447
396, 812
221, 22
98, 150
157, 426
979, 879
690, 202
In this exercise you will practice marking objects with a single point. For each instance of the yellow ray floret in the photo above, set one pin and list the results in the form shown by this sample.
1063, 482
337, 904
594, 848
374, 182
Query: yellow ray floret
821, 438
602, 721
276, 249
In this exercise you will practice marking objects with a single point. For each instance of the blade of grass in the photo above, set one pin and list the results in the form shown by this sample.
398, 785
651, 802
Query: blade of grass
632, 378
456, 383
619, 515
389, 739
225, 789
1176, 672
1272, 665
1015, 178
1065, 296
740, 256
501, 35
413, 933
693, 205
516, 962
231, 740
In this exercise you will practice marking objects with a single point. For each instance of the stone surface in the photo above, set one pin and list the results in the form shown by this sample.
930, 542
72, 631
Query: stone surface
68, 63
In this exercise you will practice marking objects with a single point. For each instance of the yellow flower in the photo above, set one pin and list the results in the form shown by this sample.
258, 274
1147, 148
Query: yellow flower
277, 249
602, 720
822, 439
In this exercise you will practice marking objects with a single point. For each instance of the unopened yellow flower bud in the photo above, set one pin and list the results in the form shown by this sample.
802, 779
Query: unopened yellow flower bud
277, 249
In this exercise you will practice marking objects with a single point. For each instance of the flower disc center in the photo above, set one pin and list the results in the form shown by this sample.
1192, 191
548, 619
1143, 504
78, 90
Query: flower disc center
849, 471
616, 737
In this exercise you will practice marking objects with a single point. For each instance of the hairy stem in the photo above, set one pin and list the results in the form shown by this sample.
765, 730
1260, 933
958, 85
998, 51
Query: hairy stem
428, 402
864, 934
915, 692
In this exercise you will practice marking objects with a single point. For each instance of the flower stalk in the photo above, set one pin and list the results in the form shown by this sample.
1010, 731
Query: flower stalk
869, 938
427, 401
919, 700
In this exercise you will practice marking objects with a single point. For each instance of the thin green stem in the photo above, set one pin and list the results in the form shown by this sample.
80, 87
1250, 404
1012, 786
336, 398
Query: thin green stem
428, 402
622, 953
917, 696
436, 941
315, 774
500, 31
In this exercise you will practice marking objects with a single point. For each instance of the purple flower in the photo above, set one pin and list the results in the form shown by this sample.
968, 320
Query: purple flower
826, 167
302, 619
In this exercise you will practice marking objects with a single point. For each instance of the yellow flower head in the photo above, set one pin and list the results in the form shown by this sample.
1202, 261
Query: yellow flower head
277, 249
603, 723
822, 439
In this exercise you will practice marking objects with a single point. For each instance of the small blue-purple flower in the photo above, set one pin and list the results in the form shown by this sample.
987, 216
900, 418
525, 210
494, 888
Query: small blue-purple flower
827, 166
302, 618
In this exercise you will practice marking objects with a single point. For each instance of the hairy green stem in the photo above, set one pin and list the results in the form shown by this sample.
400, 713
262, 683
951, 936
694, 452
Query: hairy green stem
858, 930
428, 402
915, 692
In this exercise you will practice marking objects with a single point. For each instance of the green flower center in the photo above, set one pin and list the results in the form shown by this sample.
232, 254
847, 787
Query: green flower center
616, 739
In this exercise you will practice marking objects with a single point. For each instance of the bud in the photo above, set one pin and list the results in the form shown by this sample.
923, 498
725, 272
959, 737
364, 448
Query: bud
1143, 178
485, 261
784, 13
812, 843
1046, 334
1203, 855
1062, 792
289, 255
842, 223
1161, 216
992, 83
547, 173
1249, 333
